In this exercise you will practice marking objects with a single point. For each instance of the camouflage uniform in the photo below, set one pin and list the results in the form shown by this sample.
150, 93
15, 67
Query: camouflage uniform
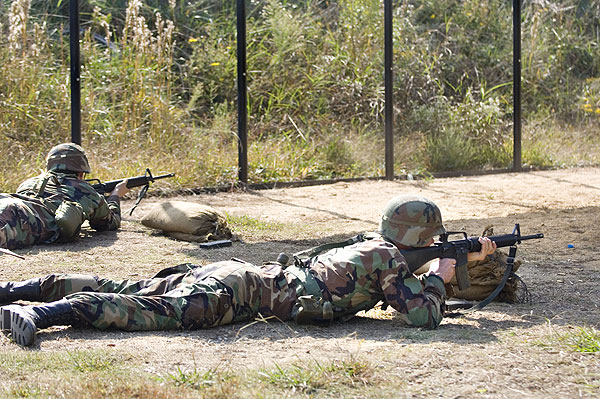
28, 217
356, 277
333, 285
25, 221
351, 278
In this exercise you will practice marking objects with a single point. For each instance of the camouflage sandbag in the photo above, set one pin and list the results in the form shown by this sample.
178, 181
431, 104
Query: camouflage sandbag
485, 277
188, 221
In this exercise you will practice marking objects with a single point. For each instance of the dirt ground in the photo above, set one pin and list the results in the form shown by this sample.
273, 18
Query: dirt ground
502, 351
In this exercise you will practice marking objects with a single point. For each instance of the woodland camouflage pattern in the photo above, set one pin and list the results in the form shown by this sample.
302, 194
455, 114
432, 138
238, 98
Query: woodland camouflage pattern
26, 219
411, 220
373, 270
67, 157
186, 296
29, 216
102, 213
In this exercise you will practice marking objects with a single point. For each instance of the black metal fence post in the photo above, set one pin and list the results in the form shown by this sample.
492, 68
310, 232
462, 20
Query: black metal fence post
517, 166
75, 72
242, 92
389, 87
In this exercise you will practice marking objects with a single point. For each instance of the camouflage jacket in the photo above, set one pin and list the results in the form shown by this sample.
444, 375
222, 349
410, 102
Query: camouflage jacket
356, 277
102, 214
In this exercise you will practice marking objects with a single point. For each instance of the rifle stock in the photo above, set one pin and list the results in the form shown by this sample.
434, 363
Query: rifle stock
459, 250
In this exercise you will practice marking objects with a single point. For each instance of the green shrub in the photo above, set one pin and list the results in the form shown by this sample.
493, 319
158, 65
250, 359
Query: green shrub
462, 136
163, 94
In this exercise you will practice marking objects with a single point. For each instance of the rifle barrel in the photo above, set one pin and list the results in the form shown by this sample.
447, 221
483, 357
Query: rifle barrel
164, 176
531, 237
132, 182
143, 180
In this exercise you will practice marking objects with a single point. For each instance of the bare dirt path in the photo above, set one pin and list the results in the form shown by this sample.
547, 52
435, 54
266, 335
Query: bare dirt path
503, 351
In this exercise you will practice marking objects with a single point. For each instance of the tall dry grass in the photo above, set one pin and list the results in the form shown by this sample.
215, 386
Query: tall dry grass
159, 87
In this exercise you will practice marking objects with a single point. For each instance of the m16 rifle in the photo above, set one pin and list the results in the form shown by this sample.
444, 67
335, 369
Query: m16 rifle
137, 181
459, 249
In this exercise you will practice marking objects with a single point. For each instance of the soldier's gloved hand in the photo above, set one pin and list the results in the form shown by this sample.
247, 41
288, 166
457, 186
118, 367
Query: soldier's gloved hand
488, 247
443, 268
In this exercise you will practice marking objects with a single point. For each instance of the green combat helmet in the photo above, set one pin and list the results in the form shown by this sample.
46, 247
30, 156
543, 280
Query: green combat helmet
67, 157
411, 220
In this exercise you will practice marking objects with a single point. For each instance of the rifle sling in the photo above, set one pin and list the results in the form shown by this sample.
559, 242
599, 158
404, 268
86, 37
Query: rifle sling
510, 262
139, 198
312, 252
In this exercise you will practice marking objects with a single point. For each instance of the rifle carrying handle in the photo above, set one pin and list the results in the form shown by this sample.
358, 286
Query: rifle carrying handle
462, 276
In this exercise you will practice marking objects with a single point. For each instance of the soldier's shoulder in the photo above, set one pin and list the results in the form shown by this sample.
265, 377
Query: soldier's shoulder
80, 189
79, 184
28, 183
377, 241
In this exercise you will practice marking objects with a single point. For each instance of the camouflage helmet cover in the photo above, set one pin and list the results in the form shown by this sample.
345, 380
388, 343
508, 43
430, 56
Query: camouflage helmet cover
67, 157
411, 220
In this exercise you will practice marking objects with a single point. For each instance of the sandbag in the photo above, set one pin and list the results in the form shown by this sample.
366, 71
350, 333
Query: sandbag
485, 276
188, 221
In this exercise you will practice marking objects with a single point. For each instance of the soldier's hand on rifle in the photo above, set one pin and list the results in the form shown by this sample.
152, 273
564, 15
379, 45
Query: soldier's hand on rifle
120, 189
443, 268
488, 247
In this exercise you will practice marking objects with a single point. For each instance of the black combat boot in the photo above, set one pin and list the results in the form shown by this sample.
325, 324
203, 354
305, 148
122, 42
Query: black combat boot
28, 290
5, 316
26, 320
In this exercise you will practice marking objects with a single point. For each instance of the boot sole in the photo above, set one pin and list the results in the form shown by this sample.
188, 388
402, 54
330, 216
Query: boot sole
5, 313
22, 328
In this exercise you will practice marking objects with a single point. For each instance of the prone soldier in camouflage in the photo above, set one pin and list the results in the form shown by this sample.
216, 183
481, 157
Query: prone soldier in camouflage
334, 285
54, 204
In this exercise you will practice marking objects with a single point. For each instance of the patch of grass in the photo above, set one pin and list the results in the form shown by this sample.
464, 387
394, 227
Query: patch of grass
258, 229
328, 382
468, 135
214, 383
313, 378
581, 339
127, 386
248, 223
86, 362
82, 374
550, 143
24, 392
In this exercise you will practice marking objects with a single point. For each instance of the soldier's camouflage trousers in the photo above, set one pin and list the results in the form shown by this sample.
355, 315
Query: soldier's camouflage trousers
221, 293
25, 222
